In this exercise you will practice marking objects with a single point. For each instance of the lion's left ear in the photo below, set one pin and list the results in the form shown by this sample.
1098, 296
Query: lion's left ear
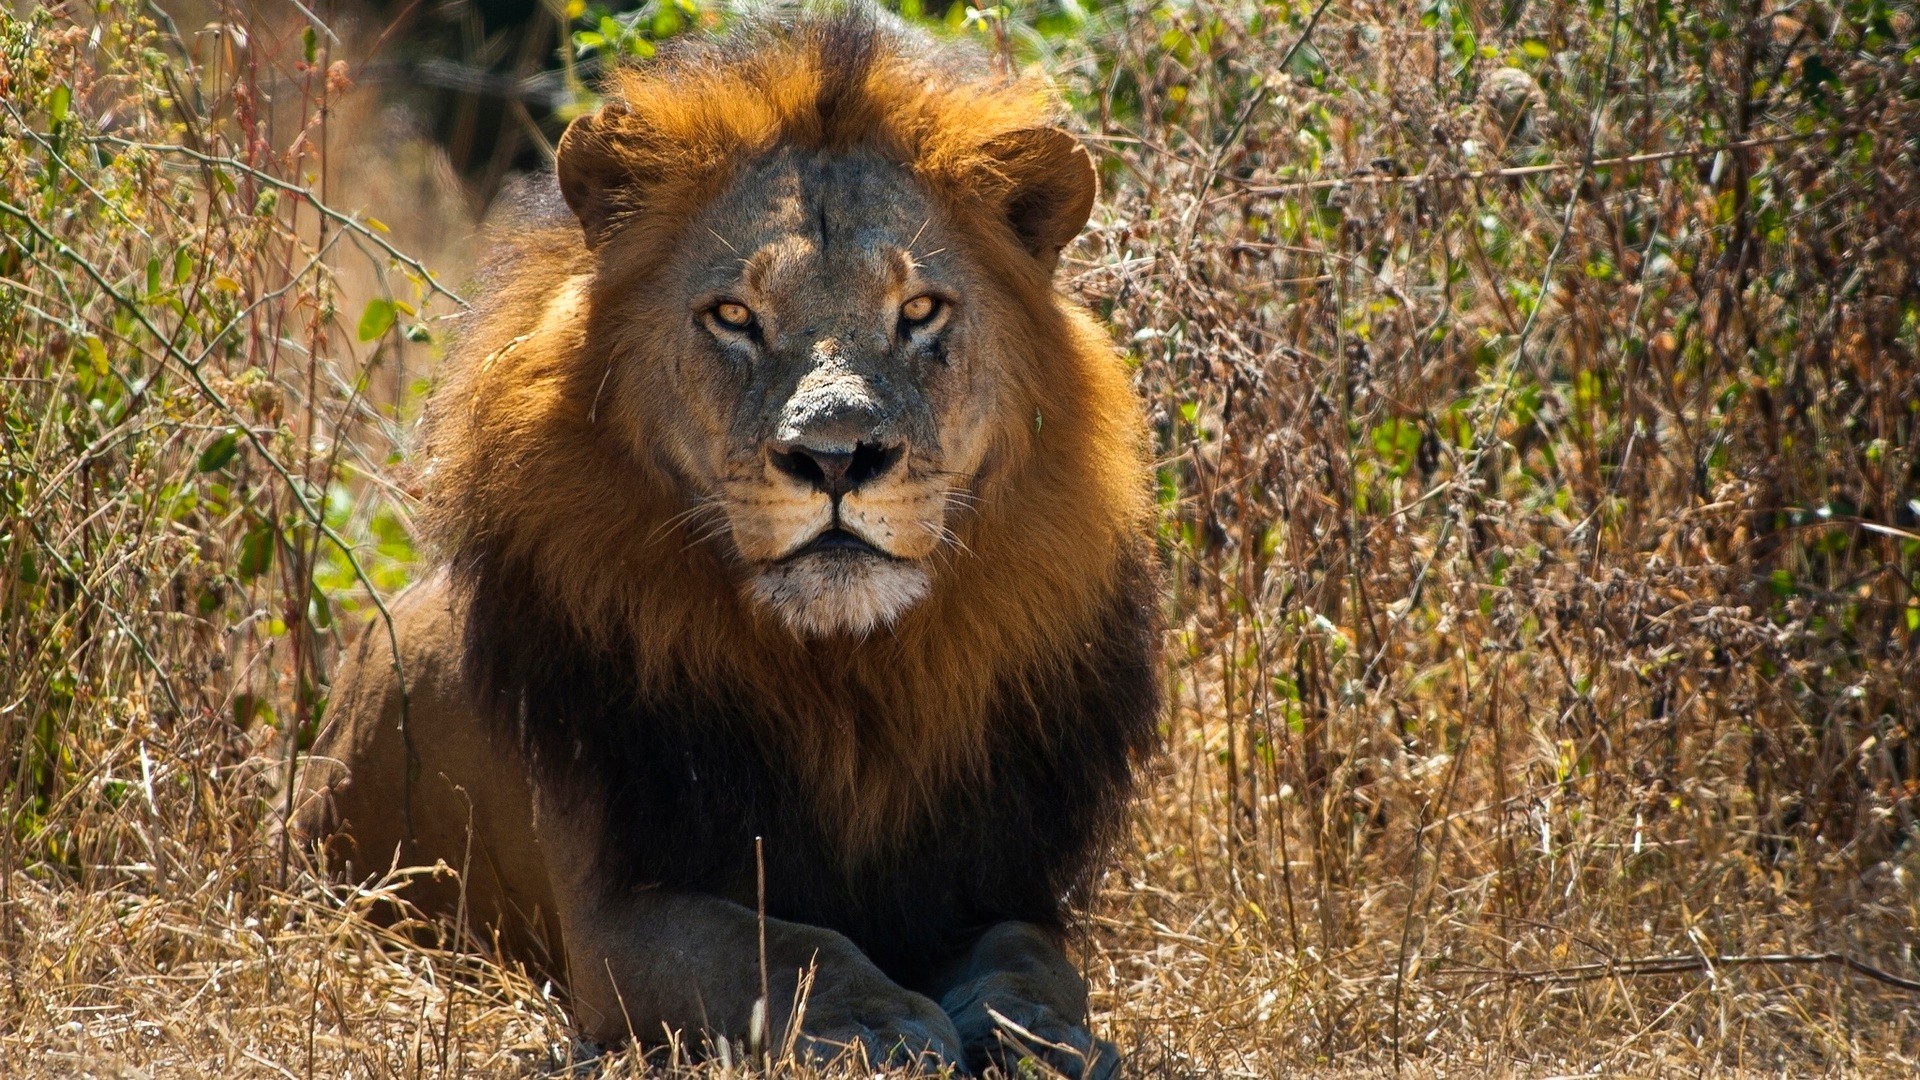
1051, 188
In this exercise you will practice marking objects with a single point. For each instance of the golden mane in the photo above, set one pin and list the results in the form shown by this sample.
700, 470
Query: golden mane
528, 468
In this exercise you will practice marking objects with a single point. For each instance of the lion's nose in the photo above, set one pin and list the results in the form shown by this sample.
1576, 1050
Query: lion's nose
837, 472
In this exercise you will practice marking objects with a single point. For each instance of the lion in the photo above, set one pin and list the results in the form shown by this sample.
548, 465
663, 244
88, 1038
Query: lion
792, 640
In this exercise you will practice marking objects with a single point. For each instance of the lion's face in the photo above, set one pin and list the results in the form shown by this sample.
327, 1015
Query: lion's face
813, 373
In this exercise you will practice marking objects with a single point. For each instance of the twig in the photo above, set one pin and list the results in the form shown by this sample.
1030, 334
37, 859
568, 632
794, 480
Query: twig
1252, 106
60, 160
1321, 183
1680, 965
344, 220
315, 19
766, 993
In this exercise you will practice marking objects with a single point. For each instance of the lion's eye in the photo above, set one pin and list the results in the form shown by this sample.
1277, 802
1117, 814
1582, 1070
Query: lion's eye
920, 310
733, 316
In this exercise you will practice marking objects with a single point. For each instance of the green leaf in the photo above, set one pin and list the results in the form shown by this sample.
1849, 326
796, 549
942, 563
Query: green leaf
1815, 73
310, 44
182, 265
256, 551
246, 709
1398, 444
376, 320
61, 102
219, 452
96, 353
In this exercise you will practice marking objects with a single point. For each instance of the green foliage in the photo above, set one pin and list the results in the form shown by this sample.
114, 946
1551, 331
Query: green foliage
633, 33
376, 319
177, 390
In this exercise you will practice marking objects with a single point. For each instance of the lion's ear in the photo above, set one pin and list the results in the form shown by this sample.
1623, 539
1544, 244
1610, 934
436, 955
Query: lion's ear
1051, 188
596, 179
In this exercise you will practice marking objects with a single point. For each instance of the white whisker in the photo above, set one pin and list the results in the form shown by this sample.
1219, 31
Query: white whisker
711, 504
946, 539
713, 532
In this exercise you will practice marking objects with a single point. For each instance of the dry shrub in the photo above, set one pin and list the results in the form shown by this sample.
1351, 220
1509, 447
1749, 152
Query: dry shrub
1537, 387
203, 391
1544, 539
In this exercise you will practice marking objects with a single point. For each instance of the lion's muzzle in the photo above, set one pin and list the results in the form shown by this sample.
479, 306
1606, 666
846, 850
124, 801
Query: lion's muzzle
856, 523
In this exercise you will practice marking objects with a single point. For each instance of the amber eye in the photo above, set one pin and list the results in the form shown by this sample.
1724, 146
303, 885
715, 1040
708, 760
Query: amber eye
920, 309
731, 315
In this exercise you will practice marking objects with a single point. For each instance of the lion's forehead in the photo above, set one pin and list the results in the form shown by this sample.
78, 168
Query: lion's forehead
814, 231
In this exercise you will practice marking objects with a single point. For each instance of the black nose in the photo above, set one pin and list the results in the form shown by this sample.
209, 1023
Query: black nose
837, 472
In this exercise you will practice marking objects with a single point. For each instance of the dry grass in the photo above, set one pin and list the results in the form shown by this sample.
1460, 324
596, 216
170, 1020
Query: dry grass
1545, 658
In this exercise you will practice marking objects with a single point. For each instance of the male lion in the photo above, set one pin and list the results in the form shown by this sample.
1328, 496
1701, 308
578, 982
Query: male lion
796, 534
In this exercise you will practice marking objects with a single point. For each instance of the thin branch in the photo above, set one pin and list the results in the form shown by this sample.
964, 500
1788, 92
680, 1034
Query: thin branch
1252, 106
1680, 965
1321, 183
344, 220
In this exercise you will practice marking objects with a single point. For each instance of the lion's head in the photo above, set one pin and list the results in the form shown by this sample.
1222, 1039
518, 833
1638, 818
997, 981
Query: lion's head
792, 388
802, 329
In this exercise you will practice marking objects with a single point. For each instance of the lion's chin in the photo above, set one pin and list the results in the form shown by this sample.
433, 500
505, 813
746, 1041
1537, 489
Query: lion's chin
834, 592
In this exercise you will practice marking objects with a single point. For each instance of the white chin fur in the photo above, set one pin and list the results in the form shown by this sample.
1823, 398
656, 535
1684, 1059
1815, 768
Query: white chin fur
835, 593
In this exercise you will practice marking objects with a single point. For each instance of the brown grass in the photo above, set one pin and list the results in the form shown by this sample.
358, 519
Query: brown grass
1544, 667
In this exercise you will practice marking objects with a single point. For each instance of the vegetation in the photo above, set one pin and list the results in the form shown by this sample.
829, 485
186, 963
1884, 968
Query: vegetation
1537, 388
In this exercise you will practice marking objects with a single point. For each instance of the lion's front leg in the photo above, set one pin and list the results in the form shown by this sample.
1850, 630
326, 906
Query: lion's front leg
1015, 996
648, 963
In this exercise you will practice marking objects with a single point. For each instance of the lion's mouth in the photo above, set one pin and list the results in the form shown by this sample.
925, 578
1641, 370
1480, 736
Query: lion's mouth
836, 541
839, 582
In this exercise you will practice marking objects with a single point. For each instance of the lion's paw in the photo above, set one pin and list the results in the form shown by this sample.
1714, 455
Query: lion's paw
900, 1030
1017, 1038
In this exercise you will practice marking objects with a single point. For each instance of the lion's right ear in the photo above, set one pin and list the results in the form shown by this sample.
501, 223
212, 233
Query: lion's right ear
596, 178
